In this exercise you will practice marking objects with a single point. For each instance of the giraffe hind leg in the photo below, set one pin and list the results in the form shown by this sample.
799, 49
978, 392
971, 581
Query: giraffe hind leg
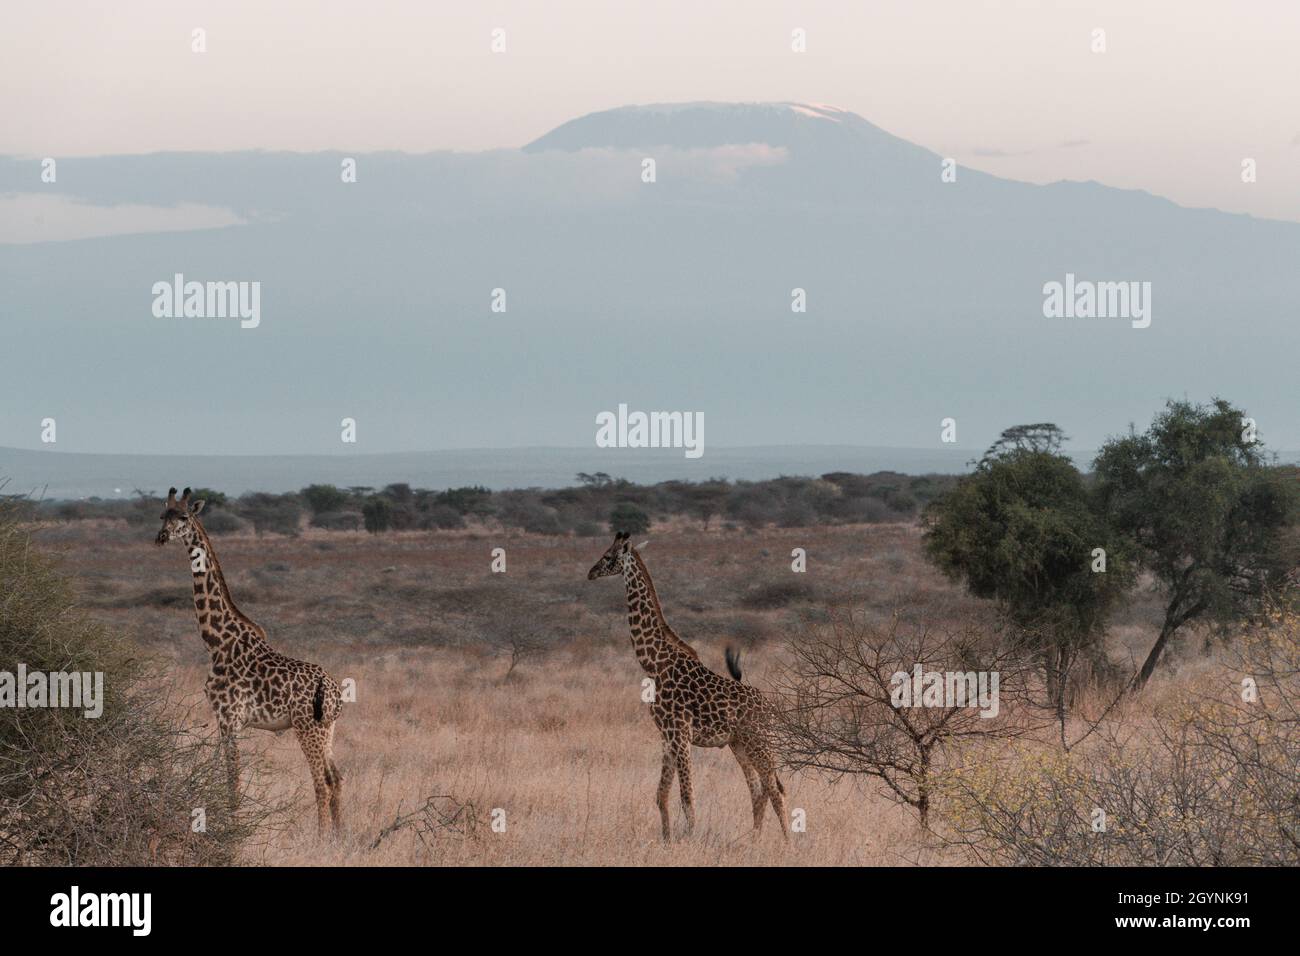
313, 740
772, 789
335, 780
776, 793
757, 795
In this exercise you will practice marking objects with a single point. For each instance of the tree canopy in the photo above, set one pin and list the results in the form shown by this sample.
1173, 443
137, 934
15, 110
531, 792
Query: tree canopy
1205, 510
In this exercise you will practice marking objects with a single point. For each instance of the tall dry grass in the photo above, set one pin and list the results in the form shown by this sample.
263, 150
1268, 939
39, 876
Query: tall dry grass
564, 747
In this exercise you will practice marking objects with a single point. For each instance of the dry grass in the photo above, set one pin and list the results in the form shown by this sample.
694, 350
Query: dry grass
565, 747
570, 754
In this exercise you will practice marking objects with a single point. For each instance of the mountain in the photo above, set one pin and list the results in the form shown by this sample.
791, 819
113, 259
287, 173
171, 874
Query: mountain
925, 298
800, 127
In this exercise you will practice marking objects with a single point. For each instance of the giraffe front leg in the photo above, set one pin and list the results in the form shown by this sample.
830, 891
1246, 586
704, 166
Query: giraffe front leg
230, 752
666, 787
683, 758
230, 715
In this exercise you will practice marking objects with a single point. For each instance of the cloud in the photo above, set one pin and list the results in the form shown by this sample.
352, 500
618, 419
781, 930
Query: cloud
595, 175
1072, 143
56, 217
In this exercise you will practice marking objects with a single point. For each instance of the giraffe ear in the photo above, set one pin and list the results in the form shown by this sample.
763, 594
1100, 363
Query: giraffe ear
197, 506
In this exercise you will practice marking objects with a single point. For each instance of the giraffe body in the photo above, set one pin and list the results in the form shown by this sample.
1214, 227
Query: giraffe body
693, 705
251, 685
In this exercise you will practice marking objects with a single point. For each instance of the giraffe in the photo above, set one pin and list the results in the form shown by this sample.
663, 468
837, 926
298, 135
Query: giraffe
249, 684
694, 706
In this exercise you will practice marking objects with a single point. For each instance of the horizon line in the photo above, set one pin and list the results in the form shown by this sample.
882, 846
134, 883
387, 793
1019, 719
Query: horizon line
346, 455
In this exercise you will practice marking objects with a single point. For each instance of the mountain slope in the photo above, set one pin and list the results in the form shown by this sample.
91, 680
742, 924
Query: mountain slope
924, 298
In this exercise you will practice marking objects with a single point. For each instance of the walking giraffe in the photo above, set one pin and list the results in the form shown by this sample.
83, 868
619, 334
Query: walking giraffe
693, 706
249, 684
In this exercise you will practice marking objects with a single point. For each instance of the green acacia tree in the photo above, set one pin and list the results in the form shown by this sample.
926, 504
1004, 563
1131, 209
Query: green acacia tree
1207, 511
1023, 530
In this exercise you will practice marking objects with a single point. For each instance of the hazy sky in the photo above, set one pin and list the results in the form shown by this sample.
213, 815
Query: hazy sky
926, 301
1184, 92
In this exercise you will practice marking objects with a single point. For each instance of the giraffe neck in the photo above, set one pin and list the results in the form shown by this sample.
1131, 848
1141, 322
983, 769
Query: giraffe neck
219, 619
652, 639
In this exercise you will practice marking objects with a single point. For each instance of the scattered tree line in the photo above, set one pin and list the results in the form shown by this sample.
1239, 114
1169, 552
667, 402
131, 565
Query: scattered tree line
1201, 772
1192, 506
592, 507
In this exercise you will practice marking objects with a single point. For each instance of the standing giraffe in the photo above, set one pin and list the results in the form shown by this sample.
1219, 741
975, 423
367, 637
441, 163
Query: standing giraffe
693, 706
249, 684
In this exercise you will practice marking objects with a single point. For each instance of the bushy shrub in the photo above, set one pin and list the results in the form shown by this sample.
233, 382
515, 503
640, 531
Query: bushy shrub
442, 516
797, 514
1207, 780
71, 511
531, 515
222, 522
378, 514
628, 518
325, 499
279, 514
753, 506
118, 789
865, 511
338, 520
474, 500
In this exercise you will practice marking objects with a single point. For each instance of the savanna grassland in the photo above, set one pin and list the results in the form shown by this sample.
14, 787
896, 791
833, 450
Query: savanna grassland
519, 690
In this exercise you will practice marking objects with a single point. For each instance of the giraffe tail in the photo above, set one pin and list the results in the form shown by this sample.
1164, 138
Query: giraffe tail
733, 663
318, 701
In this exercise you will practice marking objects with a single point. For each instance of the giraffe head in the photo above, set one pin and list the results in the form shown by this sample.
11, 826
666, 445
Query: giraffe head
179, 518
611, 562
